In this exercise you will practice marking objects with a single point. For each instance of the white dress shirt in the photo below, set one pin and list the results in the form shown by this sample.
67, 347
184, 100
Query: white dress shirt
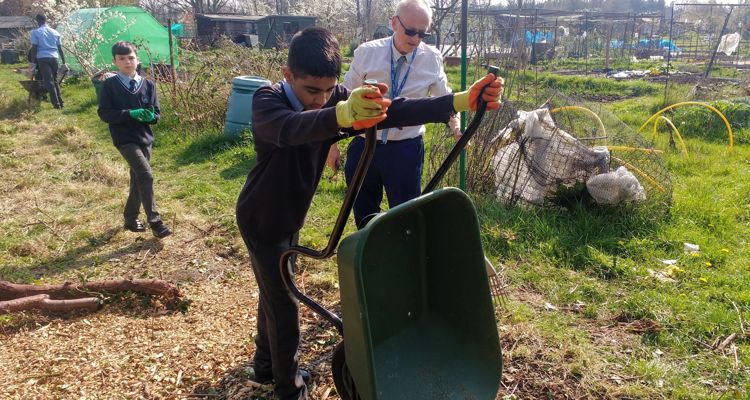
372, 60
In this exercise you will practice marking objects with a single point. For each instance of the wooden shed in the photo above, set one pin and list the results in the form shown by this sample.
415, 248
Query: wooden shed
13, 26
267, 31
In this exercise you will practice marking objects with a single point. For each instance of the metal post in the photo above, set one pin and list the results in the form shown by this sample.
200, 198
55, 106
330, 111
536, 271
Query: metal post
464, 69
718, 42
586, 46
607, 45
172, 70
631, 43
737, 54
554, 38
669, 53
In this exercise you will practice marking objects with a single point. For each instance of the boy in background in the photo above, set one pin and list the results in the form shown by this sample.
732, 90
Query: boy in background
128, 103
295, 122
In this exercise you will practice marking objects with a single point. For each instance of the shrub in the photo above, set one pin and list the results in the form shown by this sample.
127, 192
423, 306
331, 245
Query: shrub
702, 122
198, 99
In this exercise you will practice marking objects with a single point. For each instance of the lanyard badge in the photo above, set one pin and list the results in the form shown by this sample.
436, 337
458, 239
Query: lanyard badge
396, 87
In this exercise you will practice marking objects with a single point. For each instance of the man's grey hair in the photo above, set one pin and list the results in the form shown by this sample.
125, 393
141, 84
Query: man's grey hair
414, 4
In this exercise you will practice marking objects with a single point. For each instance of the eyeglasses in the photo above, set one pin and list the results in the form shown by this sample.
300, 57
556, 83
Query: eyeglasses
412, 32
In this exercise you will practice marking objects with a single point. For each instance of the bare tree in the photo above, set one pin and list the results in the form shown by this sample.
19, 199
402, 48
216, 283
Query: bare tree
335, 15
204, 6
282, 7
442, 8
364, 12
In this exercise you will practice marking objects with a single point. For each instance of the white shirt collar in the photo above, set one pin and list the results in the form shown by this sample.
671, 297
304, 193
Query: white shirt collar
397, 54
125, 80
289, 92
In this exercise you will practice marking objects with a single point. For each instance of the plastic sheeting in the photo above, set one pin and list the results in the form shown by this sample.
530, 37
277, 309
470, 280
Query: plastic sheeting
729, 43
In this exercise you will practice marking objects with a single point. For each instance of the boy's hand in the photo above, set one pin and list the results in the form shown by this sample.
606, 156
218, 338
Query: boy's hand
136, 114
148, 116
139, 114
334, 158
142, 115
365, 103
467, 100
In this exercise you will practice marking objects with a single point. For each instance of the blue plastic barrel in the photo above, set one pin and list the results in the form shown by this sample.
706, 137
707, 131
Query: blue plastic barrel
240, 107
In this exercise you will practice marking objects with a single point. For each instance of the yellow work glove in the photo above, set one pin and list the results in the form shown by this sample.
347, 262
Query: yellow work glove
364, 108
467, 100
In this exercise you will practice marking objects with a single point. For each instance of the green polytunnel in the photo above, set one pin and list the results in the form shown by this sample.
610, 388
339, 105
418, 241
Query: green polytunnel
103, 27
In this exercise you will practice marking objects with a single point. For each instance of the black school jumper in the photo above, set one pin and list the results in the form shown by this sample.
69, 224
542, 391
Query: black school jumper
133, 139
291, 149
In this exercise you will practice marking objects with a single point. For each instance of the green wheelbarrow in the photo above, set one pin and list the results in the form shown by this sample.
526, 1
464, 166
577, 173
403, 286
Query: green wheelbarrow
418, 319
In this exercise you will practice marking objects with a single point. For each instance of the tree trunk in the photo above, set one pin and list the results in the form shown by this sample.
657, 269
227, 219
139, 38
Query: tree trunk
43, 302
70, 290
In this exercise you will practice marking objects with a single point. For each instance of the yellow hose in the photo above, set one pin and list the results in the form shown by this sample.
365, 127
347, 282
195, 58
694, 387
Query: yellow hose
586, 110
676, 131
695, 103
641, 173
625, 148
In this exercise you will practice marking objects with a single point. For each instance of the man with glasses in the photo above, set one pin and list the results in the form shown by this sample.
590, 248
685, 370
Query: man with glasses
411, 69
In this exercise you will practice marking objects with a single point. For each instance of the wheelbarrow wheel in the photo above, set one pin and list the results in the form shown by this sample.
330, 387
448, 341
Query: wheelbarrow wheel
341, 376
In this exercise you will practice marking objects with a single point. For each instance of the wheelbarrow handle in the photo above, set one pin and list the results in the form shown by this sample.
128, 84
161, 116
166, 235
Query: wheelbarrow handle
338, 229
461, 143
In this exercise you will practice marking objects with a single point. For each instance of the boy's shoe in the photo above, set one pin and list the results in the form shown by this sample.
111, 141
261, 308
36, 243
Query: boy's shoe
305, 375
160, 230
134, 225
266, 377
260, 376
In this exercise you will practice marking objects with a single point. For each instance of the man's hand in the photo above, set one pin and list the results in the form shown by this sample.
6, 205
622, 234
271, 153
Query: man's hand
334, 158
454, 123
467, 100
365, 107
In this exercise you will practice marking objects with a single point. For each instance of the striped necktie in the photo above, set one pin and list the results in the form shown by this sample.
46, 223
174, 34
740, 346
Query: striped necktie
400, 63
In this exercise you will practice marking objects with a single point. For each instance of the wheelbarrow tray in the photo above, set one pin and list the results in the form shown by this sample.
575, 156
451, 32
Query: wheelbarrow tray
416, 305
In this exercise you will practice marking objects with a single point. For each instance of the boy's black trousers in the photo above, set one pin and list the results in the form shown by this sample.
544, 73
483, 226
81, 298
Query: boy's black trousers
141, 183
277, 341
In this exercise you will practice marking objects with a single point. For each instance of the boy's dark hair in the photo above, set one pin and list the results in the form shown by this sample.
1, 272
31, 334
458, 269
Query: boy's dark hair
123, 49
40, 19
314, 52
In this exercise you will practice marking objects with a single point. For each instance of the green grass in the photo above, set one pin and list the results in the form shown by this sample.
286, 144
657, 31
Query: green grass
601, 259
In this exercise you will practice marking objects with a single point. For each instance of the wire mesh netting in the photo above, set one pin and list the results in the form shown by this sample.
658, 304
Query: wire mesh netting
546, 150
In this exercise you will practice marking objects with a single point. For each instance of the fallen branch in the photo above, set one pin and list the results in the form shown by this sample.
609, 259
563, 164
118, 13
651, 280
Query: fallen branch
70, 290
729, 339
43, 302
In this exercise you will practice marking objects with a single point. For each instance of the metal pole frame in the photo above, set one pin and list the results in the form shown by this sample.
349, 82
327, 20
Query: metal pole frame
464, 70
669, 54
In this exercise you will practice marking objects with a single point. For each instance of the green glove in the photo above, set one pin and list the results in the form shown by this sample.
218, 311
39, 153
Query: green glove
365, 102
142, 115
136, 114
148, 116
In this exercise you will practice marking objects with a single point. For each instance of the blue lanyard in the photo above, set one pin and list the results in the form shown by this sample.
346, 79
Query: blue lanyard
395, 86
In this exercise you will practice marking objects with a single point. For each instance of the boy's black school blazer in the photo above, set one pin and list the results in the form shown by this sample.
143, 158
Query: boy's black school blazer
115, 102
